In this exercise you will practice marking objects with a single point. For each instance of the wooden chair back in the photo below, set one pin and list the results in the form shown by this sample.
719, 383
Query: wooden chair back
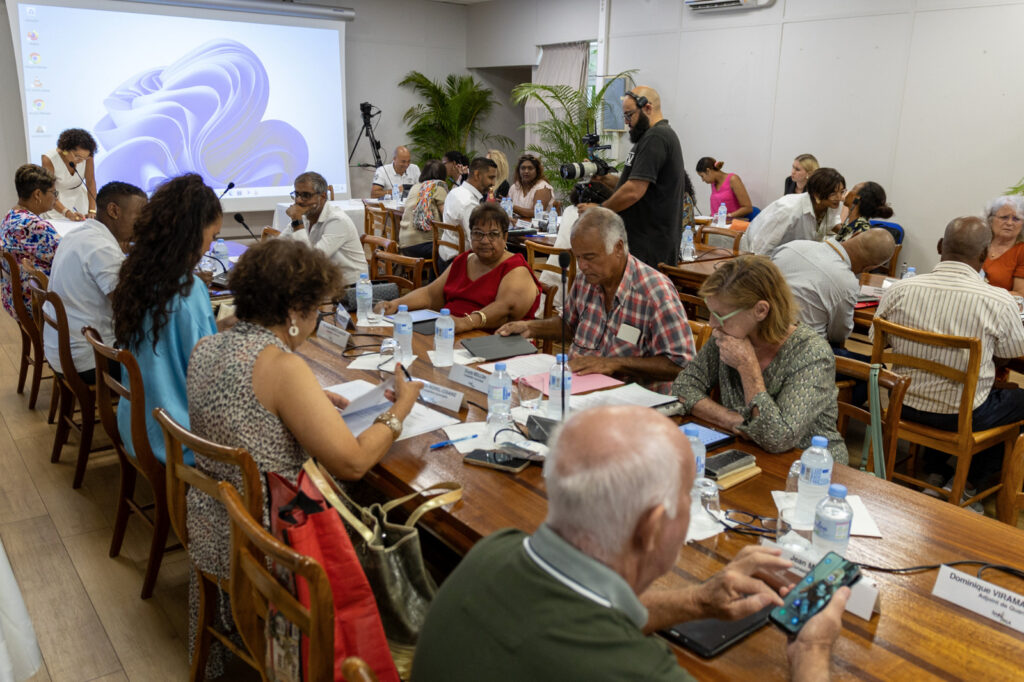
372, 243
254, 588
549, 291
405, 271
444, 233
30, 327
1010, 501
269, 233
540, 263
890, 267
395, 219
696, 309
380, 223
701, 332
704, 237
58, 319
367, 205
895, 386
330, 192
10, 270
181, 477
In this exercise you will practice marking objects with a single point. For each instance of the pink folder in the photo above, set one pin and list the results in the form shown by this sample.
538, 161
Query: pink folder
581, 383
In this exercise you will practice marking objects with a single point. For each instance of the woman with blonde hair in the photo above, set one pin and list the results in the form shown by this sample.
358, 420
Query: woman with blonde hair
776, 375
500, 189
803, 166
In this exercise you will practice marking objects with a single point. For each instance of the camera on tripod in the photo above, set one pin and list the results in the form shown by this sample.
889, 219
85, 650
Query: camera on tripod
593, 166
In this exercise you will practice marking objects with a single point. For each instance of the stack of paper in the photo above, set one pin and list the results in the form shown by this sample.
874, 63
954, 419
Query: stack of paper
524, 365
368, 401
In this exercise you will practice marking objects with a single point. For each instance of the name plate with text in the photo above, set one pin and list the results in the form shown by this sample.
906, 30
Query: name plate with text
342, 318
472, 378
983, 598
443, 397
523, 224
330, 333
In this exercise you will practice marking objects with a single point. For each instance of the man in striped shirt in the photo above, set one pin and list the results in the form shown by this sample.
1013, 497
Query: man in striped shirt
953, 299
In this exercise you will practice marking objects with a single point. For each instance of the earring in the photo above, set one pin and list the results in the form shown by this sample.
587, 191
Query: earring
293, 330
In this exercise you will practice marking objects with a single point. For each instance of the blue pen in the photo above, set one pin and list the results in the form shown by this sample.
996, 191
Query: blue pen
437, 446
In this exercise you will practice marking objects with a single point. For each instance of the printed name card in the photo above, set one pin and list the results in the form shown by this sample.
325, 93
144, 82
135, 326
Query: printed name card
443, 397
342, 318
523, 224
332, 334
983, 598
472, 378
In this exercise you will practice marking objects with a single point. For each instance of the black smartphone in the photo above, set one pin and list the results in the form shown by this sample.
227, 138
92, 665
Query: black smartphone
724, 463
814, 591
496, 459
710, 636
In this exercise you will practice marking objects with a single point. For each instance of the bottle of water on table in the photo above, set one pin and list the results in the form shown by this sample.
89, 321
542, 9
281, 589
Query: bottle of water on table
553, 220
833, 520
559, 383
499, 399
723, 215
403, 334
911, 271
815, 477
539, 217
220, 250
687, 251
692, 434
444, 339
364, 298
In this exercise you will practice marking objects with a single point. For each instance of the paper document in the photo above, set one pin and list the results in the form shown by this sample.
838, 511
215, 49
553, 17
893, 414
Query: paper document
421, 419
630, 394
868, 293
461, 356
417, 315
371, 360
863, 524
524, 365
381, 322
581, 383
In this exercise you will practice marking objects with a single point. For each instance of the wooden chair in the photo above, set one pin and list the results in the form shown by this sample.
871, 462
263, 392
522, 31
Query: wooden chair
395, 220
696, 309
269, 233
367, 205
32, 354
330, 192
701, 332
133, 397
180, 477
372, 242
380, 224
1010, 501
387, 266
442, 237
704, 237
540, 264
963, 443
39, 281
890, 266
73, 391
254, 588
895, 386
549, 291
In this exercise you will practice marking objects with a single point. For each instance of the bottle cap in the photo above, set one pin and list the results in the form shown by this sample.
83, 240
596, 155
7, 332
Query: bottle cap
499, 367
403, 308
691, 430
837, 490
560, 357
819, 442
363, 275
445, 311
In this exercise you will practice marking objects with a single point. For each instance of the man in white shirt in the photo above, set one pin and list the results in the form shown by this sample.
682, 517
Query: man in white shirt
462, 200
85, 271
324, 226
814, 214
401, 171
953, 299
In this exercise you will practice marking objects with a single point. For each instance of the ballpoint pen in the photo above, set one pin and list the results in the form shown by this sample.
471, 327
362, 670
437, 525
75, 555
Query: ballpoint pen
437, 446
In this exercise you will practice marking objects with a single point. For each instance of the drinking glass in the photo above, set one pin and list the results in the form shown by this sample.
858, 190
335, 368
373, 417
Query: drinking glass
529, 395
388, 350
706, 491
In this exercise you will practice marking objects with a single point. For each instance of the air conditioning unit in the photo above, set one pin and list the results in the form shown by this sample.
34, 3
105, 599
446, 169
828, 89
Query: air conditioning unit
715, 5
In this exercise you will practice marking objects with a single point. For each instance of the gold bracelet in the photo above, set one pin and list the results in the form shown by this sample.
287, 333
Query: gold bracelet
483, 317
92, 211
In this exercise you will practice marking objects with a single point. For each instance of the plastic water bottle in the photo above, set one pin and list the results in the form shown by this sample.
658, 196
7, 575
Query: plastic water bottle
692, 434
556, 386
687, 251
723, 215
833, 519
793, 480
506, 204
220, 249
403, 334
911, 271
553, 220
364, 298
499, 396
815, 476
538, 215
444, 339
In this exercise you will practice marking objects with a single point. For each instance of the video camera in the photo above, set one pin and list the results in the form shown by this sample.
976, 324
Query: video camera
593, 166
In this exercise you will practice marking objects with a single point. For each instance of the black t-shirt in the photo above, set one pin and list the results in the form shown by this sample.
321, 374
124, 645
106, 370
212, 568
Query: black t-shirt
654, 224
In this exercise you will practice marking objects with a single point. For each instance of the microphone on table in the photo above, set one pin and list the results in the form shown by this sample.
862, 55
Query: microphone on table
231, 186
564, 259
540, 428
241, 221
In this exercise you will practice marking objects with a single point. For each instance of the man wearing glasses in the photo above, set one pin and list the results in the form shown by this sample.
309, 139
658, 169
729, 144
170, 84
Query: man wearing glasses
325, 226
649, 192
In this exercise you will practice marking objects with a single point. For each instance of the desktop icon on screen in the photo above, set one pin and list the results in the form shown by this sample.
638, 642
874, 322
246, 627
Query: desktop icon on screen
40, 130
38, 104
35, 58
30, 12
32, 35
36, 83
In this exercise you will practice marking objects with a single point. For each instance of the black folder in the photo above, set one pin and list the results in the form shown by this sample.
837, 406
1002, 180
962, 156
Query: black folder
497, 347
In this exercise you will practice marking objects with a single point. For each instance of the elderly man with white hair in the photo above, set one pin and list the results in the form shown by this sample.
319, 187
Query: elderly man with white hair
571, 601
623, 316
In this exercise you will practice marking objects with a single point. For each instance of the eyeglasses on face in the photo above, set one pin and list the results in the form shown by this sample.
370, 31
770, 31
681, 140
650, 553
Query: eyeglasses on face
481, 236
628, 115
722, 319
304, 196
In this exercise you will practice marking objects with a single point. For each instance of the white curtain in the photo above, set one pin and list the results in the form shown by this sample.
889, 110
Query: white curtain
564, 64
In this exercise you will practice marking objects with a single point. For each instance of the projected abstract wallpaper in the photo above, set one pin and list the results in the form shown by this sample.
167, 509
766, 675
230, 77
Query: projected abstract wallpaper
202, 113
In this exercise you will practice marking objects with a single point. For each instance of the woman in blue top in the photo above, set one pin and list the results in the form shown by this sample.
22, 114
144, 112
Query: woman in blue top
161, 309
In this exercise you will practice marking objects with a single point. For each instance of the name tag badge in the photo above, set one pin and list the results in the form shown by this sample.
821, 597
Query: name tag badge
629, 334
331, 334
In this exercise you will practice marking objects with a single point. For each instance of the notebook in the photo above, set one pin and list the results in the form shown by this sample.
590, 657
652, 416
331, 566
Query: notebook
497, 347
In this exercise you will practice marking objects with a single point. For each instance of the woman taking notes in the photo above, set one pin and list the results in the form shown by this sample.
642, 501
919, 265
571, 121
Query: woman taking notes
776, 375
726, 188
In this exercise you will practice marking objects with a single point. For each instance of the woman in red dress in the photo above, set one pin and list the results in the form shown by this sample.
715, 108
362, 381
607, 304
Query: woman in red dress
484, 287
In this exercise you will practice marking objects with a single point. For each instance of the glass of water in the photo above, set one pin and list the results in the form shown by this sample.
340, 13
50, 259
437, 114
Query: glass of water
388, 350
529, 395
706, 491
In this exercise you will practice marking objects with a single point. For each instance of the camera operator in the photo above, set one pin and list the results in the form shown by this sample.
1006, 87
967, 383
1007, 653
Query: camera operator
649, 193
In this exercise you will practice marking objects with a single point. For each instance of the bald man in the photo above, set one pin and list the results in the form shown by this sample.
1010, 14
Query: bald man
825, 278
401, 171
571, 601
649, 193
954, 299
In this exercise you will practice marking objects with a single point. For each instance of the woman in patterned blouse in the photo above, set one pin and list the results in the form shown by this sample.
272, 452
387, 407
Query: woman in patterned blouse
23, 233
776, 375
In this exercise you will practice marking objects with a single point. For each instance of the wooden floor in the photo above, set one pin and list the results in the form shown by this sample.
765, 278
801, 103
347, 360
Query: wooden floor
85, 606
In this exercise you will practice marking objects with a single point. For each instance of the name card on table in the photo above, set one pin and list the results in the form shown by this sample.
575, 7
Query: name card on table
342, 317
523, 224
983, 598
443, 397
332, 334
472, 378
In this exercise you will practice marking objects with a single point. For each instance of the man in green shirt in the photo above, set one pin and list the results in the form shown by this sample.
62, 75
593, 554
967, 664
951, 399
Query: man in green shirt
570, 602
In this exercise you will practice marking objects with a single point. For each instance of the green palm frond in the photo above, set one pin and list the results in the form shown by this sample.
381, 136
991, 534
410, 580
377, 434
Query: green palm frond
1016, 189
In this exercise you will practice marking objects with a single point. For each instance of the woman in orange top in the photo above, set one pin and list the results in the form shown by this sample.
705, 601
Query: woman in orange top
1004, 266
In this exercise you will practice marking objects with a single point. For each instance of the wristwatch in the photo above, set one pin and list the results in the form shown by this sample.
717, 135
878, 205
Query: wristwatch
296, 223
389, 420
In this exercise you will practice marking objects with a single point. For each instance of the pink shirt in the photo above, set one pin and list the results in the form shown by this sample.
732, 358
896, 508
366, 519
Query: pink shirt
724, 195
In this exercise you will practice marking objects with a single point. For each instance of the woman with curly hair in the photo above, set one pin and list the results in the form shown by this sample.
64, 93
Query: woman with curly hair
865, 202
24, 233
247, 388
161, 309
72, 164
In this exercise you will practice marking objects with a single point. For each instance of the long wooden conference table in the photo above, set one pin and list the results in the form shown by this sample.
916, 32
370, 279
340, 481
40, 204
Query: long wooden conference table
916, 636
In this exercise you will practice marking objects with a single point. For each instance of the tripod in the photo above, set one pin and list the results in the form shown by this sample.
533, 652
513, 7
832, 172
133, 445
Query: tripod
367, 112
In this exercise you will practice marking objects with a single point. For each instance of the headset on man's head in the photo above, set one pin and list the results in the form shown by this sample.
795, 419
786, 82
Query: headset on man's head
640, 100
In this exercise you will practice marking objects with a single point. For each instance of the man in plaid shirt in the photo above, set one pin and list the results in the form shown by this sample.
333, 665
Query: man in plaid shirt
623, 316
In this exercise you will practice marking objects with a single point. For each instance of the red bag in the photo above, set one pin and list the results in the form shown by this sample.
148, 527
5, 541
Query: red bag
301, 518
